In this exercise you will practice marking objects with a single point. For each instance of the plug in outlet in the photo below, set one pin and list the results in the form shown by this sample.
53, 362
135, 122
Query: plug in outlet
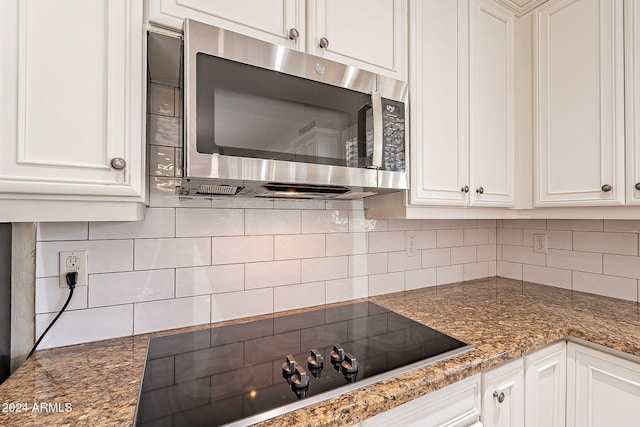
73, 261
411, 245
540, 243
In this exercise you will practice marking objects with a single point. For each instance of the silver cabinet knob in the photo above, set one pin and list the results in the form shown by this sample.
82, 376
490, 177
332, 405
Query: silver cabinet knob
294, 34
465, 189
118, 163
637, 186
499, 395
606, 188
480, 190
324, 42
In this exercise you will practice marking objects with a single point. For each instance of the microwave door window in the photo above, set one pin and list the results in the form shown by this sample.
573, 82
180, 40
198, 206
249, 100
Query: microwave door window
247, 111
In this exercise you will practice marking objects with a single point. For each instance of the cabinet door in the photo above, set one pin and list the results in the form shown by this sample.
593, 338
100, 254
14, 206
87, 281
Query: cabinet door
455, 405
632, 98
269, 20
492, 103
545, 374
503, 395
439, 108
578, 112
602, 390
369, 34
72, 98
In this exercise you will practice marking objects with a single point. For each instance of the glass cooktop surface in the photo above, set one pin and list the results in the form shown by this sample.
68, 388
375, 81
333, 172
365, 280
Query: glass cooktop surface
248, 372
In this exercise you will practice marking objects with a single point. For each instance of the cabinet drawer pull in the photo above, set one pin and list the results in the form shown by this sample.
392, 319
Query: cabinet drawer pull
118, 163
606, 188
324, 42
637, 186
465, 189
480, 190
294, 34
499, 395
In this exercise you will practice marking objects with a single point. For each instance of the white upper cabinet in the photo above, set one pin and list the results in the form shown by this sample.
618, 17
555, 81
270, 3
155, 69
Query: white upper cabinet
579, 103
632, 98
462, 103
275, 21
368, 34
72, 112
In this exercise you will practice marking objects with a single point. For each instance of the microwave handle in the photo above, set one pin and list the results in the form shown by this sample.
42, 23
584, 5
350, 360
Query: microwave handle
376, 103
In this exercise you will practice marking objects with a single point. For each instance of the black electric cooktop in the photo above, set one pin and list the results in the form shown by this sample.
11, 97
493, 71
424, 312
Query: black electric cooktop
249, 372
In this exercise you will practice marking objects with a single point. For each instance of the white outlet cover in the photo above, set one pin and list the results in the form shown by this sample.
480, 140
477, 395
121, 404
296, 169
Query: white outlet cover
75, 257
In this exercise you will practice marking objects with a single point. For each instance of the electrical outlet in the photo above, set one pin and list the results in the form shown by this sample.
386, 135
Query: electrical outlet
540, 243
411, 245
73, 261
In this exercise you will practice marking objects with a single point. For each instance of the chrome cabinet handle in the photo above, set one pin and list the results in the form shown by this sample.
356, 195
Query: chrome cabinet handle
118, 163
324, 42
465, 189
499, 395
294, 34
480, 190
606, 188
637, 186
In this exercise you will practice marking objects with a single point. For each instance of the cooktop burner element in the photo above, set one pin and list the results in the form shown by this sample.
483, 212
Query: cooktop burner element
249, 372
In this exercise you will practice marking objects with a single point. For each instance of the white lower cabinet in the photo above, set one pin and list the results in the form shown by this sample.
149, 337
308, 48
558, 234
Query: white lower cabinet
602, 390
545, 373
503, 395
455, 405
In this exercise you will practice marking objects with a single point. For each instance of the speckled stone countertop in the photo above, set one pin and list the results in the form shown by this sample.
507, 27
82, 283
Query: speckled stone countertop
501, 318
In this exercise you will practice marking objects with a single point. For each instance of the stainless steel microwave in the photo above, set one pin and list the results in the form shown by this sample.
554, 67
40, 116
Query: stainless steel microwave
267, 121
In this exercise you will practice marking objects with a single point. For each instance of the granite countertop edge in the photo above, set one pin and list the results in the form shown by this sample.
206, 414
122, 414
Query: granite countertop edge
502, 319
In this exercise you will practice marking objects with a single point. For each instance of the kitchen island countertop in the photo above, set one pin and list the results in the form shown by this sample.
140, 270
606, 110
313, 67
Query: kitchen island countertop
98, 383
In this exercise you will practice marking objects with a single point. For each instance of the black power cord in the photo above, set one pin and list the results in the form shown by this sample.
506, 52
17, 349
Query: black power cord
72, 279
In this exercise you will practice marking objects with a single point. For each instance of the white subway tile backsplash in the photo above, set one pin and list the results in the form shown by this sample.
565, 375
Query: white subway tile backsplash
449, 238
272, 221
475, 270
510, 270
209, 222
476, 236
547, 276
162, 194
486, 252
616, 287
241, 203
573, 260
403, 224
162, 160
522, 254
623, 266
358, 222
555, 239
449, 274
418, 279
386, 241
387, 283
610, 243
234, 250
399, 261
216, 279
363, 265
510, 236
436, 224
158, 223
463, 255
48, 231
524, 223
625, 226
50, 297
102, 256
329, 268
170, 314
299, 246
298, 296
272, 273
346, 244
575, 224
79, 326
436, 257
154, 254
486, 223
235, 305
300, 204
347, 289
129, 287
424, 239
330, 221
464, 223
